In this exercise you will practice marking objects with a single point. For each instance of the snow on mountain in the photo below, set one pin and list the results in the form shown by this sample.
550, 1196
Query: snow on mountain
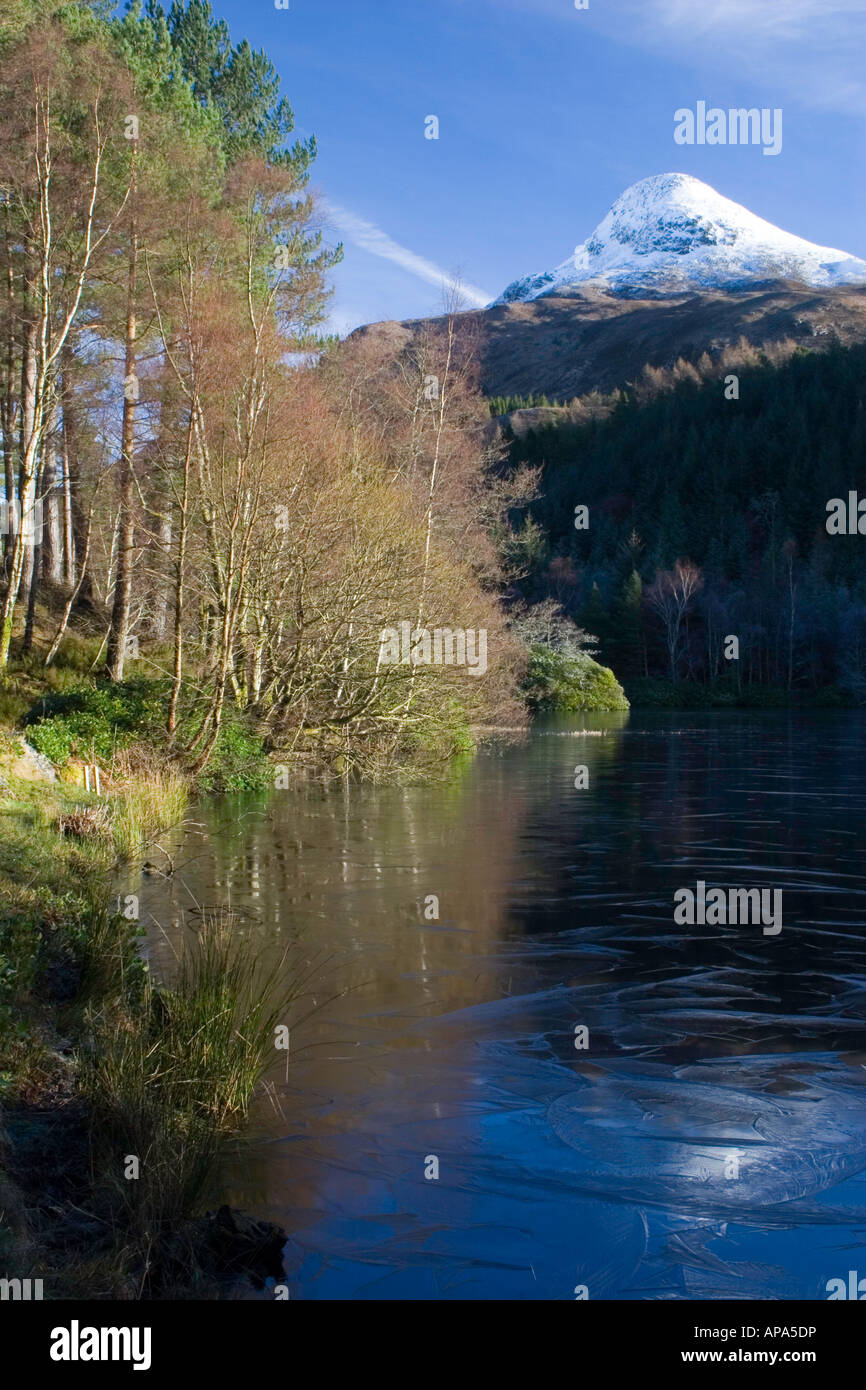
671, 233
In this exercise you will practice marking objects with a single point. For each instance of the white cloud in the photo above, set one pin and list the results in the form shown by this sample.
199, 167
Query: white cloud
782, 20
810, 49
368, 237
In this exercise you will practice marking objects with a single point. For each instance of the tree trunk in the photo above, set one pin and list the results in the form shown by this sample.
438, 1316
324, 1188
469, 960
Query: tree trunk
9, 398
70, 602
162, 596
115, 655
72, 469
28, 417
53, 553
37, 537
179, 579
69, 573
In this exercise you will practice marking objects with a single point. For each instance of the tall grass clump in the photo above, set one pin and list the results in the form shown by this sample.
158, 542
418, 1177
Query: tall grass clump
152, 799
171, 1077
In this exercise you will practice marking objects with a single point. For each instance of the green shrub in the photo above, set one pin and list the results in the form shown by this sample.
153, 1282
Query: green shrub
445, 734
98, 721
238, 762
93, 721
567, 682
657, 693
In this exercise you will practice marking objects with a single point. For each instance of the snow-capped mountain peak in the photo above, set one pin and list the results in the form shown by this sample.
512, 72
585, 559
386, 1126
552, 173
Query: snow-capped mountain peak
671, 233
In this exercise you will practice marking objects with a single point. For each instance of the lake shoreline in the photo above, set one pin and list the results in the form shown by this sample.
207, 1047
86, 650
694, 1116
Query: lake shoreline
519, 993
74, 981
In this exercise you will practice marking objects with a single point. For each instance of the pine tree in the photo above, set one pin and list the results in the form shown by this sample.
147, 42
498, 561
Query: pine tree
625, 644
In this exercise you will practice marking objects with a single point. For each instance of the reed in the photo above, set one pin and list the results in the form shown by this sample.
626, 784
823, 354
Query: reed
146, 806
168, 1078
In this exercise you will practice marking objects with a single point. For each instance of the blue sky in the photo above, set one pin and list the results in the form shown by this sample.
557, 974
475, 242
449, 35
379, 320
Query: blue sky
546, 114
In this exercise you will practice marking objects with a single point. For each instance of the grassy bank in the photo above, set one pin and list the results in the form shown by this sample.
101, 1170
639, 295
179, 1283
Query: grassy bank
117, 1093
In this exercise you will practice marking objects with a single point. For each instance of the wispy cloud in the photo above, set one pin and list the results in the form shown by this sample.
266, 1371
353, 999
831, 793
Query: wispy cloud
783, 20
368, 237
813, 49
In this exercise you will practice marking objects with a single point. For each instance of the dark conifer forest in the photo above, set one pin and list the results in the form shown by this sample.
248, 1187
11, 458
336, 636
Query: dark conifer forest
708, 517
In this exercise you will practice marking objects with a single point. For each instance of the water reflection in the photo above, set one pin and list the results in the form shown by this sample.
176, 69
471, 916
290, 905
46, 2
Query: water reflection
710, 1141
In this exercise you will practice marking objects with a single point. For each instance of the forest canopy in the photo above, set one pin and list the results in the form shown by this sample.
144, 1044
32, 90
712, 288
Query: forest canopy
707, 518
236, 505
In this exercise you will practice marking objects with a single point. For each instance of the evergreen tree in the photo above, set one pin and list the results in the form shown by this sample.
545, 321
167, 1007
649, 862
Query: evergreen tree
625, 644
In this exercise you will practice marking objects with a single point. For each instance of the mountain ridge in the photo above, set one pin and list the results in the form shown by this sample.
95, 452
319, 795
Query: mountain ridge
672, 232
566, 346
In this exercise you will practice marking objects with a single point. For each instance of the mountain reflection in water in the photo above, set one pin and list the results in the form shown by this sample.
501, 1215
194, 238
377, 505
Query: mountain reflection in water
711, 1140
